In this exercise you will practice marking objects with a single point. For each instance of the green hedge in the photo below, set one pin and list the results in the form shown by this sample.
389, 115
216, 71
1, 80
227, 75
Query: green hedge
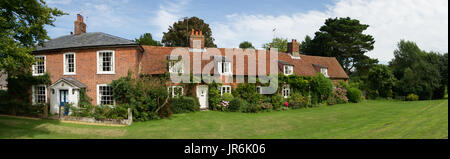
354, 95
236, 104
184, 105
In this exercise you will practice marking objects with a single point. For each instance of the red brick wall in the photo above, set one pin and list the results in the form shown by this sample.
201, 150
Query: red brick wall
86, 67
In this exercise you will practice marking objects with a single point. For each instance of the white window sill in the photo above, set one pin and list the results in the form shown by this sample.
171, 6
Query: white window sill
226, 74
69, 74
38, 74
106, 73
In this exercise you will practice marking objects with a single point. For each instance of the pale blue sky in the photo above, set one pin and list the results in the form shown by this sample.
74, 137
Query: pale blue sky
422, 21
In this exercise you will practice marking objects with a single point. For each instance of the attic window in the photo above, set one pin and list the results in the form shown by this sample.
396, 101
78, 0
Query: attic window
324, 71
224, 67
288, 70
175, 66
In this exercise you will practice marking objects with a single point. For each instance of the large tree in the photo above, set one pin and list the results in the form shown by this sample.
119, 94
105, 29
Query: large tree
342, 38
179, 32
381, 80
279, 43
419, 72
246, 45
147, 39
21, 29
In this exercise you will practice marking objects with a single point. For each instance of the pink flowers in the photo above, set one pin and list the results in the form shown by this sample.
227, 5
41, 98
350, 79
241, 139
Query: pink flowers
286, 104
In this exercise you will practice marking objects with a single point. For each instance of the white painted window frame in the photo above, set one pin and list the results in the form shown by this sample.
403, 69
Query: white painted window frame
34, 67
99, 97
33, 90
65, 64
286, 91
324, 71
224, 88
174, 63
171, 90
288, 67
220, 68
258, 89
113, 65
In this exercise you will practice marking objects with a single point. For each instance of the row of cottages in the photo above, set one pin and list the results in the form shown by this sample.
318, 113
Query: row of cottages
91, 61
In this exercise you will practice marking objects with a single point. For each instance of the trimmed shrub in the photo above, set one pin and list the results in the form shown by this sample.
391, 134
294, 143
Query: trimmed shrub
248, 92
354, 95
227, 97
412, 97
277, 102
250, 108
298, 101
236, 104
321, 87
214, 97
183, 105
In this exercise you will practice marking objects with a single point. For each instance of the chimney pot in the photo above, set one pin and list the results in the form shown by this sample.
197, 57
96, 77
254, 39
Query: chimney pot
79, 25
192, 32
200, 32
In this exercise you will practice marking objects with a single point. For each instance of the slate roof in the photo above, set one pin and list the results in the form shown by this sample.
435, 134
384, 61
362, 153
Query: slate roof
94, 39
71, 81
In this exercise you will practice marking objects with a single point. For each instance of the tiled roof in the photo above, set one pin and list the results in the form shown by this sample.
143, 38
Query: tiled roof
94, 39
155, 59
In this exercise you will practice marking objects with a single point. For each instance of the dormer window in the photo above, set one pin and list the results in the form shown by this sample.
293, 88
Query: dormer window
324, 71
176, 66
224, 68
288, 69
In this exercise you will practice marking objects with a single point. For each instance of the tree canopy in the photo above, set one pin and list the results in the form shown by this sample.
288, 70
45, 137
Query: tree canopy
381, 80
21, 29
178, 34
147, 39
418, 71
280, 43
342, 38
246, 45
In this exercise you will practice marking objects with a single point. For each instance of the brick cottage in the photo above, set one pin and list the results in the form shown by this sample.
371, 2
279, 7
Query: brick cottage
91, 61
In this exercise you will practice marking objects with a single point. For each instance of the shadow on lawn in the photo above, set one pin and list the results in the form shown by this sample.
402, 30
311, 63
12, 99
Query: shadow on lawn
11, 127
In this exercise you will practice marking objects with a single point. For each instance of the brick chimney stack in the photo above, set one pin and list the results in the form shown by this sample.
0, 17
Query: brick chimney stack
196, 40
293, 48
80, 26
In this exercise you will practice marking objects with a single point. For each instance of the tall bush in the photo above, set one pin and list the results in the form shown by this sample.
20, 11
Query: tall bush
145, 95
354, 95
321, 87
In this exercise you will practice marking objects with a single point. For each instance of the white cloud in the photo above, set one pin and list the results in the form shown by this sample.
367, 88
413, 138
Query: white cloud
167, 14
54, 2
422, 21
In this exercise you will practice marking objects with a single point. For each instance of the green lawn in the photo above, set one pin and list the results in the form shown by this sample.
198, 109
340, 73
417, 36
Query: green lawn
370, 119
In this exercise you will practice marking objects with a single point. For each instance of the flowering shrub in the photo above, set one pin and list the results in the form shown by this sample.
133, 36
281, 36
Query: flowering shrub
340, 94
286, 104
223, 105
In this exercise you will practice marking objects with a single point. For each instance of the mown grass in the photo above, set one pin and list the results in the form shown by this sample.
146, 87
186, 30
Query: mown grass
379, 119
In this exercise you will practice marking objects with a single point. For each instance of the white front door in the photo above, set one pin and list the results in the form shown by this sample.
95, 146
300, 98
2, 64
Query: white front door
202, 95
